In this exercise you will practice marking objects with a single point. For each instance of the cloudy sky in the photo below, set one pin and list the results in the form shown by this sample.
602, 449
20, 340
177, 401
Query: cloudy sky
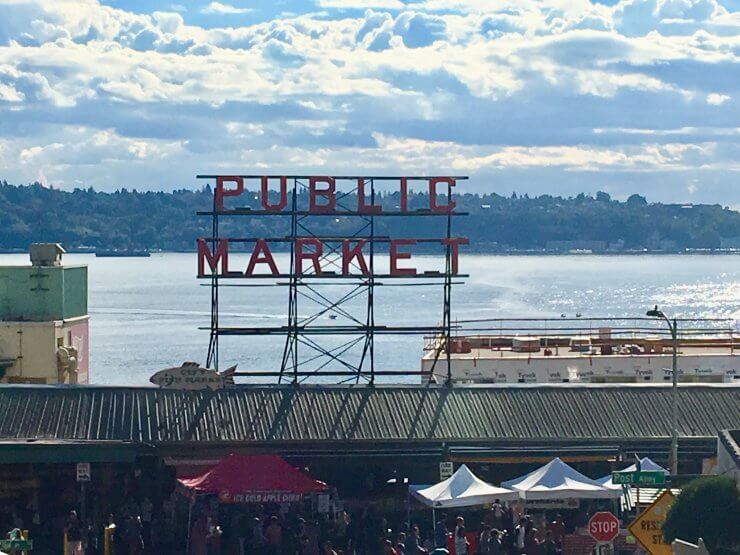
535, 96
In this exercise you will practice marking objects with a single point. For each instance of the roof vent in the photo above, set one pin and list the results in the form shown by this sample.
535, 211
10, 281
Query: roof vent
46, 254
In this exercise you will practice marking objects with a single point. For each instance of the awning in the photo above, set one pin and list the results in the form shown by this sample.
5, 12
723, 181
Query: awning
254, 479
462, 489
557, 480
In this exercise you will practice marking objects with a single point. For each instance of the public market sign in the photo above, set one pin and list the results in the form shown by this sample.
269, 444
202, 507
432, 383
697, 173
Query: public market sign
647, 528
639, 478
324, 198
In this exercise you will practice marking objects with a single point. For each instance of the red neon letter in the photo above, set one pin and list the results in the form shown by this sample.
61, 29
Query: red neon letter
396, 256
204, 254
261, 255
454, 244
404, 194
328, 193
363, 208
450, 206
349, 254
283, 195
314, 256
220, 192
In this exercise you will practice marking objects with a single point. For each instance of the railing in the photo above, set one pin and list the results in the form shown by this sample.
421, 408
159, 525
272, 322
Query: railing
499, 333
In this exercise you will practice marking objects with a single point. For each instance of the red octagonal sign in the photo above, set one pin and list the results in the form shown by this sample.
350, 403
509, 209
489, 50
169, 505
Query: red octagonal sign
603, 527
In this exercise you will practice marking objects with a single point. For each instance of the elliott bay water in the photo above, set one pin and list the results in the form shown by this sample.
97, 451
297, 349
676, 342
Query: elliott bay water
145, 313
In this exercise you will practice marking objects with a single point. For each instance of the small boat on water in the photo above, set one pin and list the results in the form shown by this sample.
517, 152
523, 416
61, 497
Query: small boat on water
123, 253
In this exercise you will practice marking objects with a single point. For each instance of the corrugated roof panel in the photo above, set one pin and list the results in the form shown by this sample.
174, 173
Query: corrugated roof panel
363, 413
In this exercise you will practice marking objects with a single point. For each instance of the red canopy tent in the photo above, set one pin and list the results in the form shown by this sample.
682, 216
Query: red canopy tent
254, 479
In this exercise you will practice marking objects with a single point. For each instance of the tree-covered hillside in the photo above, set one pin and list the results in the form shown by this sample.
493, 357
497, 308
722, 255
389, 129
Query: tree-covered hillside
156, 220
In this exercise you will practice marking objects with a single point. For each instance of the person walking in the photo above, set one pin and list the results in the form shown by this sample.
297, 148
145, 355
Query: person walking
241, 532
485, 541
520, 533
413, 540
199, 531
441, 532
461, 540
73, 529
134, 539
274, 536
531, 544
257, 541
147, 510
550, 546
557, 528
497, 510
213, 538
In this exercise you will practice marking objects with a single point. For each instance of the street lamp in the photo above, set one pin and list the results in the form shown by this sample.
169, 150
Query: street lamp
673, 327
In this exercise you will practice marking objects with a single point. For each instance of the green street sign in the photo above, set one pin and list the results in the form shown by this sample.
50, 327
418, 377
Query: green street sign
23, 545
641, 478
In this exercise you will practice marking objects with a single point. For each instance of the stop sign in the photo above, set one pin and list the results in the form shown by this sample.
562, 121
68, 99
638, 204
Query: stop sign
603, 527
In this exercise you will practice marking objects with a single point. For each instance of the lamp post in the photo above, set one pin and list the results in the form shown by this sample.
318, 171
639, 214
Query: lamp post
673, 327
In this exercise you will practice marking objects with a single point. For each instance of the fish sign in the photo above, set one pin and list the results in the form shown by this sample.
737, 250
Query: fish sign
647, 528
190, 375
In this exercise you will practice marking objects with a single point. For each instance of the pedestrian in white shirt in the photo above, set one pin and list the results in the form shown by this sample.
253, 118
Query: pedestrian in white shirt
461, 541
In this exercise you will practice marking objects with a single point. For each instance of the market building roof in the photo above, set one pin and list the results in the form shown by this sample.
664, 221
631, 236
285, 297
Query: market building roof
356, 414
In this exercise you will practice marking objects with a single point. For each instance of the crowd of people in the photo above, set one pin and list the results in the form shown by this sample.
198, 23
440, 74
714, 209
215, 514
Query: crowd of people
136, 528
502, 533
499, 531
140, 527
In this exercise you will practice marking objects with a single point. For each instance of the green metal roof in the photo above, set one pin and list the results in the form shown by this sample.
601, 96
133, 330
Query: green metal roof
356, 414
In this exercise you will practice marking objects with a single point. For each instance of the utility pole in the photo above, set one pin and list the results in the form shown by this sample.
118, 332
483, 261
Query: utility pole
673, 327
674, 398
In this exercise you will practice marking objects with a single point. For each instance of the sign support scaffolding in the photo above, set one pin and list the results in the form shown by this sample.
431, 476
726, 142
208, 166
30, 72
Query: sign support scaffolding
343, 350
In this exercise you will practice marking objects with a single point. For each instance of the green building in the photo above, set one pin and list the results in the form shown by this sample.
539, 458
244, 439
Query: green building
44, 320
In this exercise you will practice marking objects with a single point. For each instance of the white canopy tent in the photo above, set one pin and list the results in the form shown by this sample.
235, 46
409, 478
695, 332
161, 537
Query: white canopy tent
462, 489
557, 480
645, 464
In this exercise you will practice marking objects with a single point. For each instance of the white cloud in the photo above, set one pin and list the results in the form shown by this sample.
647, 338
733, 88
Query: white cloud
717, 99
469, 158
539, 92
224, 9
362, 4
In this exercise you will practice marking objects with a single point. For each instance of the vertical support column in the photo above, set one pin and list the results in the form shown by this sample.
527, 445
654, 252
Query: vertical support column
371, 288
294, 278
290, 350
674, 400
447, 322
212, 357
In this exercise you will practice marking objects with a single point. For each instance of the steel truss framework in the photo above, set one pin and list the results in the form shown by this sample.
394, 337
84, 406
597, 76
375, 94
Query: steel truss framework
309, 351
